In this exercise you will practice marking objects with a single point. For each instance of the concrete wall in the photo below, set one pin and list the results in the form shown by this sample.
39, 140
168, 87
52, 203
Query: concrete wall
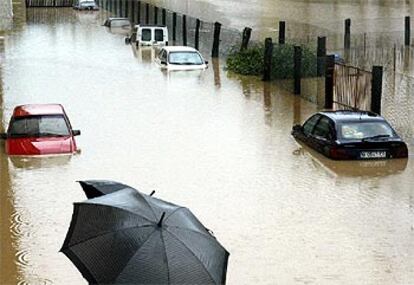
6, 14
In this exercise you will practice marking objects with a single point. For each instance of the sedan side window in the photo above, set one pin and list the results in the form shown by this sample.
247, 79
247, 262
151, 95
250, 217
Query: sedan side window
322, 129
310, 124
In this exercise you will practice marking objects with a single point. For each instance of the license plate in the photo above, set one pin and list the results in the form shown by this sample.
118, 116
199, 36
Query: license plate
373, 154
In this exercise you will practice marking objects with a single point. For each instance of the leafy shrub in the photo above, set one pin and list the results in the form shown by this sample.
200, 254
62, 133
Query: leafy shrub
251, 61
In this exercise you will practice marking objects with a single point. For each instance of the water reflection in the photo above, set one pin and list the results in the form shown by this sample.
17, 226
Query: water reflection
40, 162
216, 69
368, 168
144, 54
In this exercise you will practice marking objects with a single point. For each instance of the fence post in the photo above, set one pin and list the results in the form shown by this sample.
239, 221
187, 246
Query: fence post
282, 32
329, 81
197, 34
174, 24
216, 41
164, 16
139, 12
347, 37
246, 38
297, 68
267, 69
184, 30
376, 89
146, 13
407, 31
133, 10
121, 8
321, 55
155, 15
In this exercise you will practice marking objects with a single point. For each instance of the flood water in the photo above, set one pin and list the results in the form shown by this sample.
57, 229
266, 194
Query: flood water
215, 142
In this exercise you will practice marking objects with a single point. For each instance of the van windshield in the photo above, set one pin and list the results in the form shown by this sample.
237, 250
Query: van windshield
39, 126
185, 58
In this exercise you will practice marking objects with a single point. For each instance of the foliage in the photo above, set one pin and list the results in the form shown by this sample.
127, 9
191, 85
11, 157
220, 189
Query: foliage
251, 61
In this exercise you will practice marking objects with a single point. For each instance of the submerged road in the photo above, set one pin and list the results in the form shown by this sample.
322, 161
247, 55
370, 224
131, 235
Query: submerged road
215, 142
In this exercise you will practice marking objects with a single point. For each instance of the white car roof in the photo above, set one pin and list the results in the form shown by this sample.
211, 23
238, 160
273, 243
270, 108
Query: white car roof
179, 48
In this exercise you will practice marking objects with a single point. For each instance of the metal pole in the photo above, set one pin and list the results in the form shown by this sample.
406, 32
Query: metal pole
267, 69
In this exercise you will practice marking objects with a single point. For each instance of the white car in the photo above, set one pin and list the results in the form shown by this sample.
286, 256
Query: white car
118, 23
86, 5
180, 58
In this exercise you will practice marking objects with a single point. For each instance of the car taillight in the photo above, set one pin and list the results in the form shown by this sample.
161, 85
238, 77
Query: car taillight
401, 151
339, 153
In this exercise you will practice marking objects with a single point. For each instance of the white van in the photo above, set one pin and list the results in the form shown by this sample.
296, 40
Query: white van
151, 35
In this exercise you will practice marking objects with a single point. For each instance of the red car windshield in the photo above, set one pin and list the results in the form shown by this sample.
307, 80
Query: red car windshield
39, 126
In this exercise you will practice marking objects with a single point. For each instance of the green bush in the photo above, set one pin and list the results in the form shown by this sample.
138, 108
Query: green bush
251, 61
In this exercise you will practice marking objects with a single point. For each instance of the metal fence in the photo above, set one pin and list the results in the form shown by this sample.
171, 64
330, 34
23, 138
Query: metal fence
352, 88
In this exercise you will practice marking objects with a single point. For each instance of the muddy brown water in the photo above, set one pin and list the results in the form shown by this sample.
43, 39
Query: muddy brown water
215, 142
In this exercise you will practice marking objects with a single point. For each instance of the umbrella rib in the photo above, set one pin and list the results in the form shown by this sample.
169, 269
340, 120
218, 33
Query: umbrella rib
179, 208
193, 231
107, 233
174, 236
136, 252
166, 257
149, 205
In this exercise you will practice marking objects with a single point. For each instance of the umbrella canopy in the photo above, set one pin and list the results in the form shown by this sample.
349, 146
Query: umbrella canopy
97, 188
127, 237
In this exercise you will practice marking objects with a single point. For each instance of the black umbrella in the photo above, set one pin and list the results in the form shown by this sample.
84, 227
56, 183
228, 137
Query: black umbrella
97, 188
127, 237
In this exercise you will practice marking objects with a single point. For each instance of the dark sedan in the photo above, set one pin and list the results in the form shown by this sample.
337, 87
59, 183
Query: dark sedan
345, 135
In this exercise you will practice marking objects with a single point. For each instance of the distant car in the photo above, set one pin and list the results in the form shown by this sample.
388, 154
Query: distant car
338, 58
42, 129
346, 135
180, 58
86, 5
149, 35
118, 23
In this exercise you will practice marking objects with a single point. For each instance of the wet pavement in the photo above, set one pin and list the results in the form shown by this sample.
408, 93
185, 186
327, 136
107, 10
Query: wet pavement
213, 141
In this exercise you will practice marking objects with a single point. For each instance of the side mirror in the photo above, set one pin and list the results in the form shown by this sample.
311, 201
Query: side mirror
297, 128
163, 62
206, 61
127, 41
3, 136
76, 132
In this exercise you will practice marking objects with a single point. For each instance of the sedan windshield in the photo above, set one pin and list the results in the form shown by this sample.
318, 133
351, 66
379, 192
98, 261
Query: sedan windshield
365, 130
184, 58
39, 126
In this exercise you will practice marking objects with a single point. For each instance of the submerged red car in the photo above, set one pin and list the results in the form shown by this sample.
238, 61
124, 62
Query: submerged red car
40, 129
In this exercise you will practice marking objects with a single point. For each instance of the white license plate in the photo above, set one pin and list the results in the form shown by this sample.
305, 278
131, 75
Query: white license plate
373, 154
